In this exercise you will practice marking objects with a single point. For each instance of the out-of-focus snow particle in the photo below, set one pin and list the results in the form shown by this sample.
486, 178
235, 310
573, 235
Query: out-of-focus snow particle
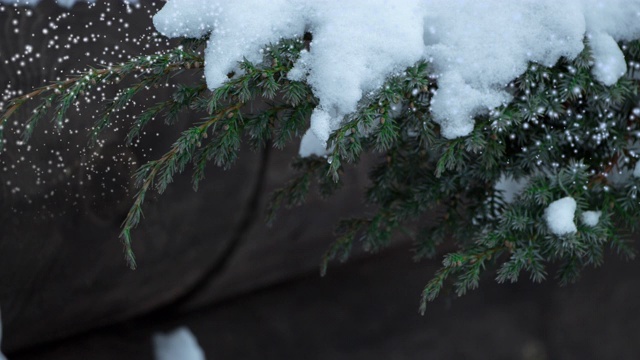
591, 218
179, 344
636, 171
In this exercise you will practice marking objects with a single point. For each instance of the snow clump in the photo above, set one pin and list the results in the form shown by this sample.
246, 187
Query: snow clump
559, 216
636, 170
591, 218
177, 345
476, 47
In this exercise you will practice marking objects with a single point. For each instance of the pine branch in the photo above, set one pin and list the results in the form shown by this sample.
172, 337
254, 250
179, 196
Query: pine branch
563, 135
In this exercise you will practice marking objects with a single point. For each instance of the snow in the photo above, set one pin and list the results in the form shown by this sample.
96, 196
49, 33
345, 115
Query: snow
354, 48
610, 64
591, 218
510, 187
559, 216
311, 145
476, 47
179, 344
636, 170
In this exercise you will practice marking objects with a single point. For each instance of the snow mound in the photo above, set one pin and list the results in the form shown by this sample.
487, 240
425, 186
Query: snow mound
591, 218
476, 47
559, 216
179, 344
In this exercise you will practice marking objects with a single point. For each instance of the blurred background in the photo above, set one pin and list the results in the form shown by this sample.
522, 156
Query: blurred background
208, 261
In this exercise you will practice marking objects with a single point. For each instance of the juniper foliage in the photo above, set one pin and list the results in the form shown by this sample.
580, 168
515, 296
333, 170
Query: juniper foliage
564, 133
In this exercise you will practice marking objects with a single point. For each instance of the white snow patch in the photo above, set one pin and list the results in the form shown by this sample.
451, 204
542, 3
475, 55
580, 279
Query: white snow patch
301, 67
476, 47
636, 170
321, 125
456, 103
591, 218
559, 216
311, 145
179, 344
510, 187
609, 60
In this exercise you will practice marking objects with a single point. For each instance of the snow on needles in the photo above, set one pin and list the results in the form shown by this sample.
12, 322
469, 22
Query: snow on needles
559, 216
510, 187
476, 47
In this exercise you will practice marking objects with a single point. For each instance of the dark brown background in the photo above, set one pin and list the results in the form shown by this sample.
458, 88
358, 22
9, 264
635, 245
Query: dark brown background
207, 260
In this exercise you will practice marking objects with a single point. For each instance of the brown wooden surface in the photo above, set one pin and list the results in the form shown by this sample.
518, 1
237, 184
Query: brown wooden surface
63, 276
368, 310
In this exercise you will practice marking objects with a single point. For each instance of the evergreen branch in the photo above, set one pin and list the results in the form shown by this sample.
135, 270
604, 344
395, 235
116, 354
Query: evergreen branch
64, 93
564, 134
295, 191
159, 173
341, 247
